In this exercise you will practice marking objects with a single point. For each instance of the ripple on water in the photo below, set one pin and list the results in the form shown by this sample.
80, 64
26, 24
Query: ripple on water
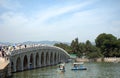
94, 70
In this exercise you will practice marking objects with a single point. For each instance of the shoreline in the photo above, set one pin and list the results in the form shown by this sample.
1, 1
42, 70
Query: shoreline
106, 59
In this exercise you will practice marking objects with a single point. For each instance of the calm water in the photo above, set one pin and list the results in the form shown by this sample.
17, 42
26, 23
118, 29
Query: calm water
94, 70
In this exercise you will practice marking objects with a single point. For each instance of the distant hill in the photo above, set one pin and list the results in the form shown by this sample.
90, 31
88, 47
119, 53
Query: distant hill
41, 42
6, 43
34, 42
38, 42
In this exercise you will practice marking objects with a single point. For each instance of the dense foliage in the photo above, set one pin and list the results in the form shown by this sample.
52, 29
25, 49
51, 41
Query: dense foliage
63, 46
107, 45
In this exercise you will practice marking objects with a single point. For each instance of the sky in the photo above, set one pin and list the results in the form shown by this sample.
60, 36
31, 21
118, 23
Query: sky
58, 20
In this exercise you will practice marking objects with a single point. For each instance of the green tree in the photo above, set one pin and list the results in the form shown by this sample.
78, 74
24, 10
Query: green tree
94, 53
106, 43
64, 46
88, 50
81, 50
75, 45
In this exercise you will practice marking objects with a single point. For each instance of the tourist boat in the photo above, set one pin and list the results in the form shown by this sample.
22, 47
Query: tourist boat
79, 66
61, 68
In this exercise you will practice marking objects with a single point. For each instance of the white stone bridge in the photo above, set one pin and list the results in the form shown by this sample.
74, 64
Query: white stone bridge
37, 56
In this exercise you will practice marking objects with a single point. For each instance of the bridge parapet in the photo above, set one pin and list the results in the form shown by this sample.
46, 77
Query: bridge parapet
36, 47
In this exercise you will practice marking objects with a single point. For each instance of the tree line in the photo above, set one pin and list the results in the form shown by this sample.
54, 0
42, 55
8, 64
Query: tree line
106, 45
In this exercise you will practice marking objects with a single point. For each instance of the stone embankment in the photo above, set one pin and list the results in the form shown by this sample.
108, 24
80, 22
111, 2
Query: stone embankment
112, 59
82, 60
106, 59
5, 68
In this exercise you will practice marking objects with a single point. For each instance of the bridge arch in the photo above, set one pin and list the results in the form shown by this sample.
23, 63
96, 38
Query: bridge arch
25, 63
51, 58
42, 59
55, 58
12, 66
37, 59
18, 64
31, 61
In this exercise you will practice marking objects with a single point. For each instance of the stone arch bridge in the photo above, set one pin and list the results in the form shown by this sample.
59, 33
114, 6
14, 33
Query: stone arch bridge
37, 56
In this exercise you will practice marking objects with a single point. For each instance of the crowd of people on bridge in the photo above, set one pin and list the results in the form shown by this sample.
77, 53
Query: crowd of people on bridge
6, 49
3, 54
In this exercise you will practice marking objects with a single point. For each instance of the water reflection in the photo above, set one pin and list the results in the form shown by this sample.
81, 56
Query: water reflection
94, 70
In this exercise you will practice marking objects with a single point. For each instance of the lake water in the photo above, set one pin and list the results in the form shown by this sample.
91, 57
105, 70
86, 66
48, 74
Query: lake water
94, 70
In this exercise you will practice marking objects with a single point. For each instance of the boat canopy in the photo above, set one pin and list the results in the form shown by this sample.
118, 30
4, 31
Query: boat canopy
78, 63
62, 64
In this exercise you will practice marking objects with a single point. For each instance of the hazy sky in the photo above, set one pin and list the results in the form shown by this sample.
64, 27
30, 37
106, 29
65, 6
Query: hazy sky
59, 20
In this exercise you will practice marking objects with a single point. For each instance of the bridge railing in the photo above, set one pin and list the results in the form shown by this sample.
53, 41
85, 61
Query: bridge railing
34, 47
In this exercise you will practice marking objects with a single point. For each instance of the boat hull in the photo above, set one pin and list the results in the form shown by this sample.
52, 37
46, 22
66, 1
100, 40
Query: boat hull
60, 70
79, 69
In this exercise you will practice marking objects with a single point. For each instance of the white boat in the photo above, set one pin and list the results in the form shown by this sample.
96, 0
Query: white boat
79, 66
61, 68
